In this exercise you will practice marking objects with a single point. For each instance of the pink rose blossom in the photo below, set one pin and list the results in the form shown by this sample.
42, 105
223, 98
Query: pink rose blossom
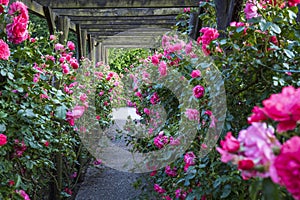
3, 139
251, 10
155, 60
20, 9
230, 144
83, 97
245, 164
23, 194
154, 99
17, 31
171, 172
180, 194
198, 91
258, 115
189, 48
287, 165
159, 189
76, 113
196, 73
4, 2
4, 50
257, 142
192, 114
146, 111
189, 159
71, 45
160, 140
209, 34
162, 68
52, 37
293, 2
284, 108
59, 47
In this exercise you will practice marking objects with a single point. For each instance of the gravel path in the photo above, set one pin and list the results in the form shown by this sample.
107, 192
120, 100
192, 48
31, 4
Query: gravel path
104, 183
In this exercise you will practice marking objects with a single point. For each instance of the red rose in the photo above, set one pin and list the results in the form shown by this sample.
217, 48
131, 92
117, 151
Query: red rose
3, 139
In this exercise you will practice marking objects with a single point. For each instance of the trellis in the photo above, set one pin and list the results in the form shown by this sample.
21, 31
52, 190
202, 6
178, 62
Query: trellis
103, 24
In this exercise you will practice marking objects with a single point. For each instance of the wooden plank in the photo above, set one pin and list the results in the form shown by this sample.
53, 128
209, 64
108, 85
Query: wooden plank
84, 42
119, 3
63, 25
126, 12
122, 27
122, 18
34, 7
79, 41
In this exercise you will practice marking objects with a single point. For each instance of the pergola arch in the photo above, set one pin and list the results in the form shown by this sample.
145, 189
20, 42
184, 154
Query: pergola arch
102, 24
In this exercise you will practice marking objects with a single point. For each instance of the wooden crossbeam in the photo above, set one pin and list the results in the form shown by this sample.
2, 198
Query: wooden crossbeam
123, 18
126, 12
119, 3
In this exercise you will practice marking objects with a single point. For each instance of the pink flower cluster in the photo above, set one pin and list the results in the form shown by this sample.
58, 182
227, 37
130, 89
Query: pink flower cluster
76, 113
198, 91
252, 151
161, 140
189, 160
17, 30
209, 34
179, 194
255, 151
66, 60
159, 189
171, 172
192, 114
283, 108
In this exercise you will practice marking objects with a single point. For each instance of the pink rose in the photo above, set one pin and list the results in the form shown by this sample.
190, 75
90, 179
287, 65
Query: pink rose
162, 68
154, 99
159, 189
251, 10
17, 31
146, 111
189, 159
154, 60
71, 45
196, 73
3, 139
23, 194
258, 115
245, 164
209, 34
284, 108
287, 165
230, 144
4, 50
293, 2
4, 2
59, 47
258, 142
198, 91
192, 114
171, 172
52, 37
20, 9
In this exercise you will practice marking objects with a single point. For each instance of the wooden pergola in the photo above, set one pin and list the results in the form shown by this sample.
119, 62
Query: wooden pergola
103, 24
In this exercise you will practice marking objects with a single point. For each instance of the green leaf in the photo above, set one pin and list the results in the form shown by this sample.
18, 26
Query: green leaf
10, 76
29, 113
275, 28
289, 53
60, 112
270, 190
254, 189
226, 191
2, 128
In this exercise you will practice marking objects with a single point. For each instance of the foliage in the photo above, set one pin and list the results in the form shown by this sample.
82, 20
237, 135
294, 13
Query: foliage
34, 104
121, 59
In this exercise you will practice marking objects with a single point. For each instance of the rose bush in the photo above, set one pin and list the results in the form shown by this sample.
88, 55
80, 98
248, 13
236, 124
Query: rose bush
257, 56
40, 151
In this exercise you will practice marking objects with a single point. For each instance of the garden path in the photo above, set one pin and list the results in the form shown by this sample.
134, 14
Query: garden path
104, 183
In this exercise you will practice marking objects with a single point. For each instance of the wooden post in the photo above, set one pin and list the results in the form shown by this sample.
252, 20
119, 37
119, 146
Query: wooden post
50, 19
97, 52
84, 42
93, 50
63, 24
79, 41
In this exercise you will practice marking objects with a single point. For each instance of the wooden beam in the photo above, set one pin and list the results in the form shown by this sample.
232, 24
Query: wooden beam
63, 25
126, 12
50, 17
34, 7
96, 27
123, 18
119, 3
125, 21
